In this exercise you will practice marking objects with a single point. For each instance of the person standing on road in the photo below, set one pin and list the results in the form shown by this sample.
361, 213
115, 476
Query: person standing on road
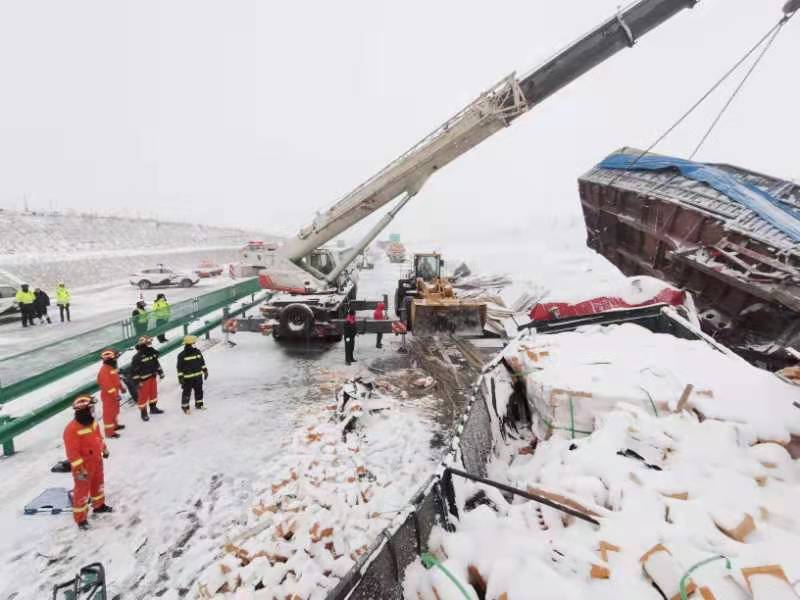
41, 303
161, 311
350, 332
379, 315
63, 298
139, 317
85, 451
144, 368
192, 371
110, 389
26, 299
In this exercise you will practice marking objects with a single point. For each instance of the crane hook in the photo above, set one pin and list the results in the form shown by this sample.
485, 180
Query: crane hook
791, 7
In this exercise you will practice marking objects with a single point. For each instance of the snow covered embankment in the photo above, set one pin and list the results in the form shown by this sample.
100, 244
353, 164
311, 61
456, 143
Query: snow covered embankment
340, 487
84, 249
670, 485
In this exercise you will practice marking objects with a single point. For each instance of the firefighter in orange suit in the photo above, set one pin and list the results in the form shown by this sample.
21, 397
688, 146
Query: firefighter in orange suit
86, 450
110, 389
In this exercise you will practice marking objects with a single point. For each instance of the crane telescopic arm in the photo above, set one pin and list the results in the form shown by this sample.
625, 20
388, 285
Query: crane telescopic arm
492, 111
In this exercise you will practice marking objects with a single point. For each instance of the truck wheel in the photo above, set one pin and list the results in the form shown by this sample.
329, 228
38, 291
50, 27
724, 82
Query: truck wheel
296, 321
186, 283
144, 284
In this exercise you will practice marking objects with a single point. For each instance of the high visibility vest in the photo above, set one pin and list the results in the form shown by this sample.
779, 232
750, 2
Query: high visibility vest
141, 315
161, 309
62, 295
25, 297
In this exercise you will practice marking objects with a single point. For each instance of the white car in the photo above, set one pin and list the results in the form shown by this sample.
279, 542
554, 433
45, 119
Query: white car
8, 302
161, 276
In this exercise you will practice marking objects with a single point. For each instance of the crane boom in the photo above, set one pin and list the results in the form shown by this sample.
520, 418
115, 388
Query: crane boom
492, 111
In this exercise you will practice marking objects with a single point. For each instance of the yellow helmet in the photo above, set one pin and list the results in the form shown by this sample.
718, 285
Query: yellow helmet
189, 340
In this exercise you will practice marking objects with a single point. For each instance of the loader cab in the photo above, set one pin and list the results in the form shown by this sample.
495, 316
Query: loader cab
428, 266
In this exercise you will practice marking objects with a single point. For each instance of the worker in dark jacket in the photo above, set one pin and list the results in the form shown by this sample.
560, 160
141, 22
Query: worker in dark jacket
192, 371
26, 299
145, 367
350, 332
41, 302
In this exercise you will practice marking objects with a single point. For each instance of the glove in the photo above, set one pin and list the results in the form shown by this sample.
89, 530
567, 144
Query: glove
123, 390
180, 380
205, 374
81, 474
106, 453
161, 375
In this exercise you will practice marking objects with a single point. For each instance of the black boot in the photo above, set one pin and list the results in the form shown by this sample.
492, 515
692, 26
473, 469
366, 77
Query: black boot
145, 416
83, 526
103, 508
186, 410
114, 435
119, 427
199, 406
154, 410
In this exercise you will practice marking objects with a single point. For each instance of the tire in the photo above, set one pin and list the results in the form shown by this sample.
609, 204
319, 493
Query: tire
145, 285
185, 283
296, 321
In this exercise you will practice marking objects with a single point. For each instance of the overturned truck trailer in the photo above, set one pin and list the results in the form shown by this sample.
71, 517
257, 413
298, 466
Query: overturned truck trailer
728, 235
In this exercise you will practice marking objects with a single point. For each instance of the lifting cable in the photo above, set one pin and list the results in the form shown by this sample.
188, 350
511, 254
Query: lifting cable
769, 38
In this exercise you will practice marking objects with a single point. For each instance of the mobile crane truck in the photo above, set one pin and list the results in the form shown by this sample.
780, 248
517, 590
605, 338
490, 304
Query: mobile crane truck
314, 289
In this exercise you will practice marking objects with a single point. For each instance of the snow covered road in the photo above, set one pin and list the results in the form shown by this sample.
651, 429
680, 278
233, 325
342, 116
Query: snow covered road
182, 486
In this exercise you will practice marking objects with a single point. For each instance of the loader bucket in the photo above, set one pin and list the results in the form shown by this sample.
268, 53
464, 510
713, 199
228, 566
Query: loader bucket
448, 316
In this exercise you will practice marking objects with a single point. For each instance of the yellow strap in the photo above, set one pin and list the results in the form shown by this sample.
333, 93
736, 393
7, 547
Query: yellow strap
85, 431
83, 508
192, 357
111, 391
77, 463
109, 426
190, 375
98, 497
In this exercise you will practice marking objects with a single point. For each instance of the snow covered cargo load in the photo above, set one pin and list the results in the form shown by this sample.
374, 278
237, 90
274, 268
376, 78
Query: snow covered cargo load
728, 235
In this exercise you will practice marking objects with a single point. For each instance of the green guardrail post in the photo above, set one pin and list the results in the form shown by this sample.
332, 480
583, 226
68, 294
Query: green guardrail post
8, 445
208, 331
185, 329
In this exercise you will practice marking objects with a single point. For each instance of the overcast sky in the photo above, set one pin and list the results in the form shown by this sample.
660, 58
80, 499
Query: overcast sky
258, 114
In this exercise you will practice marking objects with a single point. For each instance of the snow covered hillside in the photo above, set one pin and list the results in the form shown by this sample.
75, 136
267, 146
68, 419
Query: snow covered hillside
85, 249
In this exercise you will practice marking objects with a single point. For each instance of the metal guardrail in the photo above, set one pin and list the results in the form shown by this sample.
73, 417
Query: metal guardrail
12, 427
28, 371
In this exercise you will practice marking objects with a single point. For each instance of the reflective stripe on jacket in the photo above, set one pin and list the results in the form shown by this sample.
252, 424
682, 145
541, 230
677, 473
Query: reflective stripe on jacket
83, 444
109, 382
191, 363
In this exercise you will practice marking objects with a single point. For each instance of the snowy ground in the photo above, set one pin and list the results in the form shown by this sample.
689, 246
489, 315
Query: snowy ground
184, 486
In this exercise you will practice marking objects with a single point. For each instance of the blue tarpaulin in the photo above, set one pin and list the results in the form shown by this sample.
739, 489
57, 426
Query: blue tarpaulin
768, 207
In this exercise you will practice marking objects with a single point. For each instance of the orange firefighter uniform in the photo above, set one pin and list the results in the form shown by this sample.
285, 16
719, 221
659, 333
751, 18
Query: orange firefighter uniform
85, 450
110, 388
